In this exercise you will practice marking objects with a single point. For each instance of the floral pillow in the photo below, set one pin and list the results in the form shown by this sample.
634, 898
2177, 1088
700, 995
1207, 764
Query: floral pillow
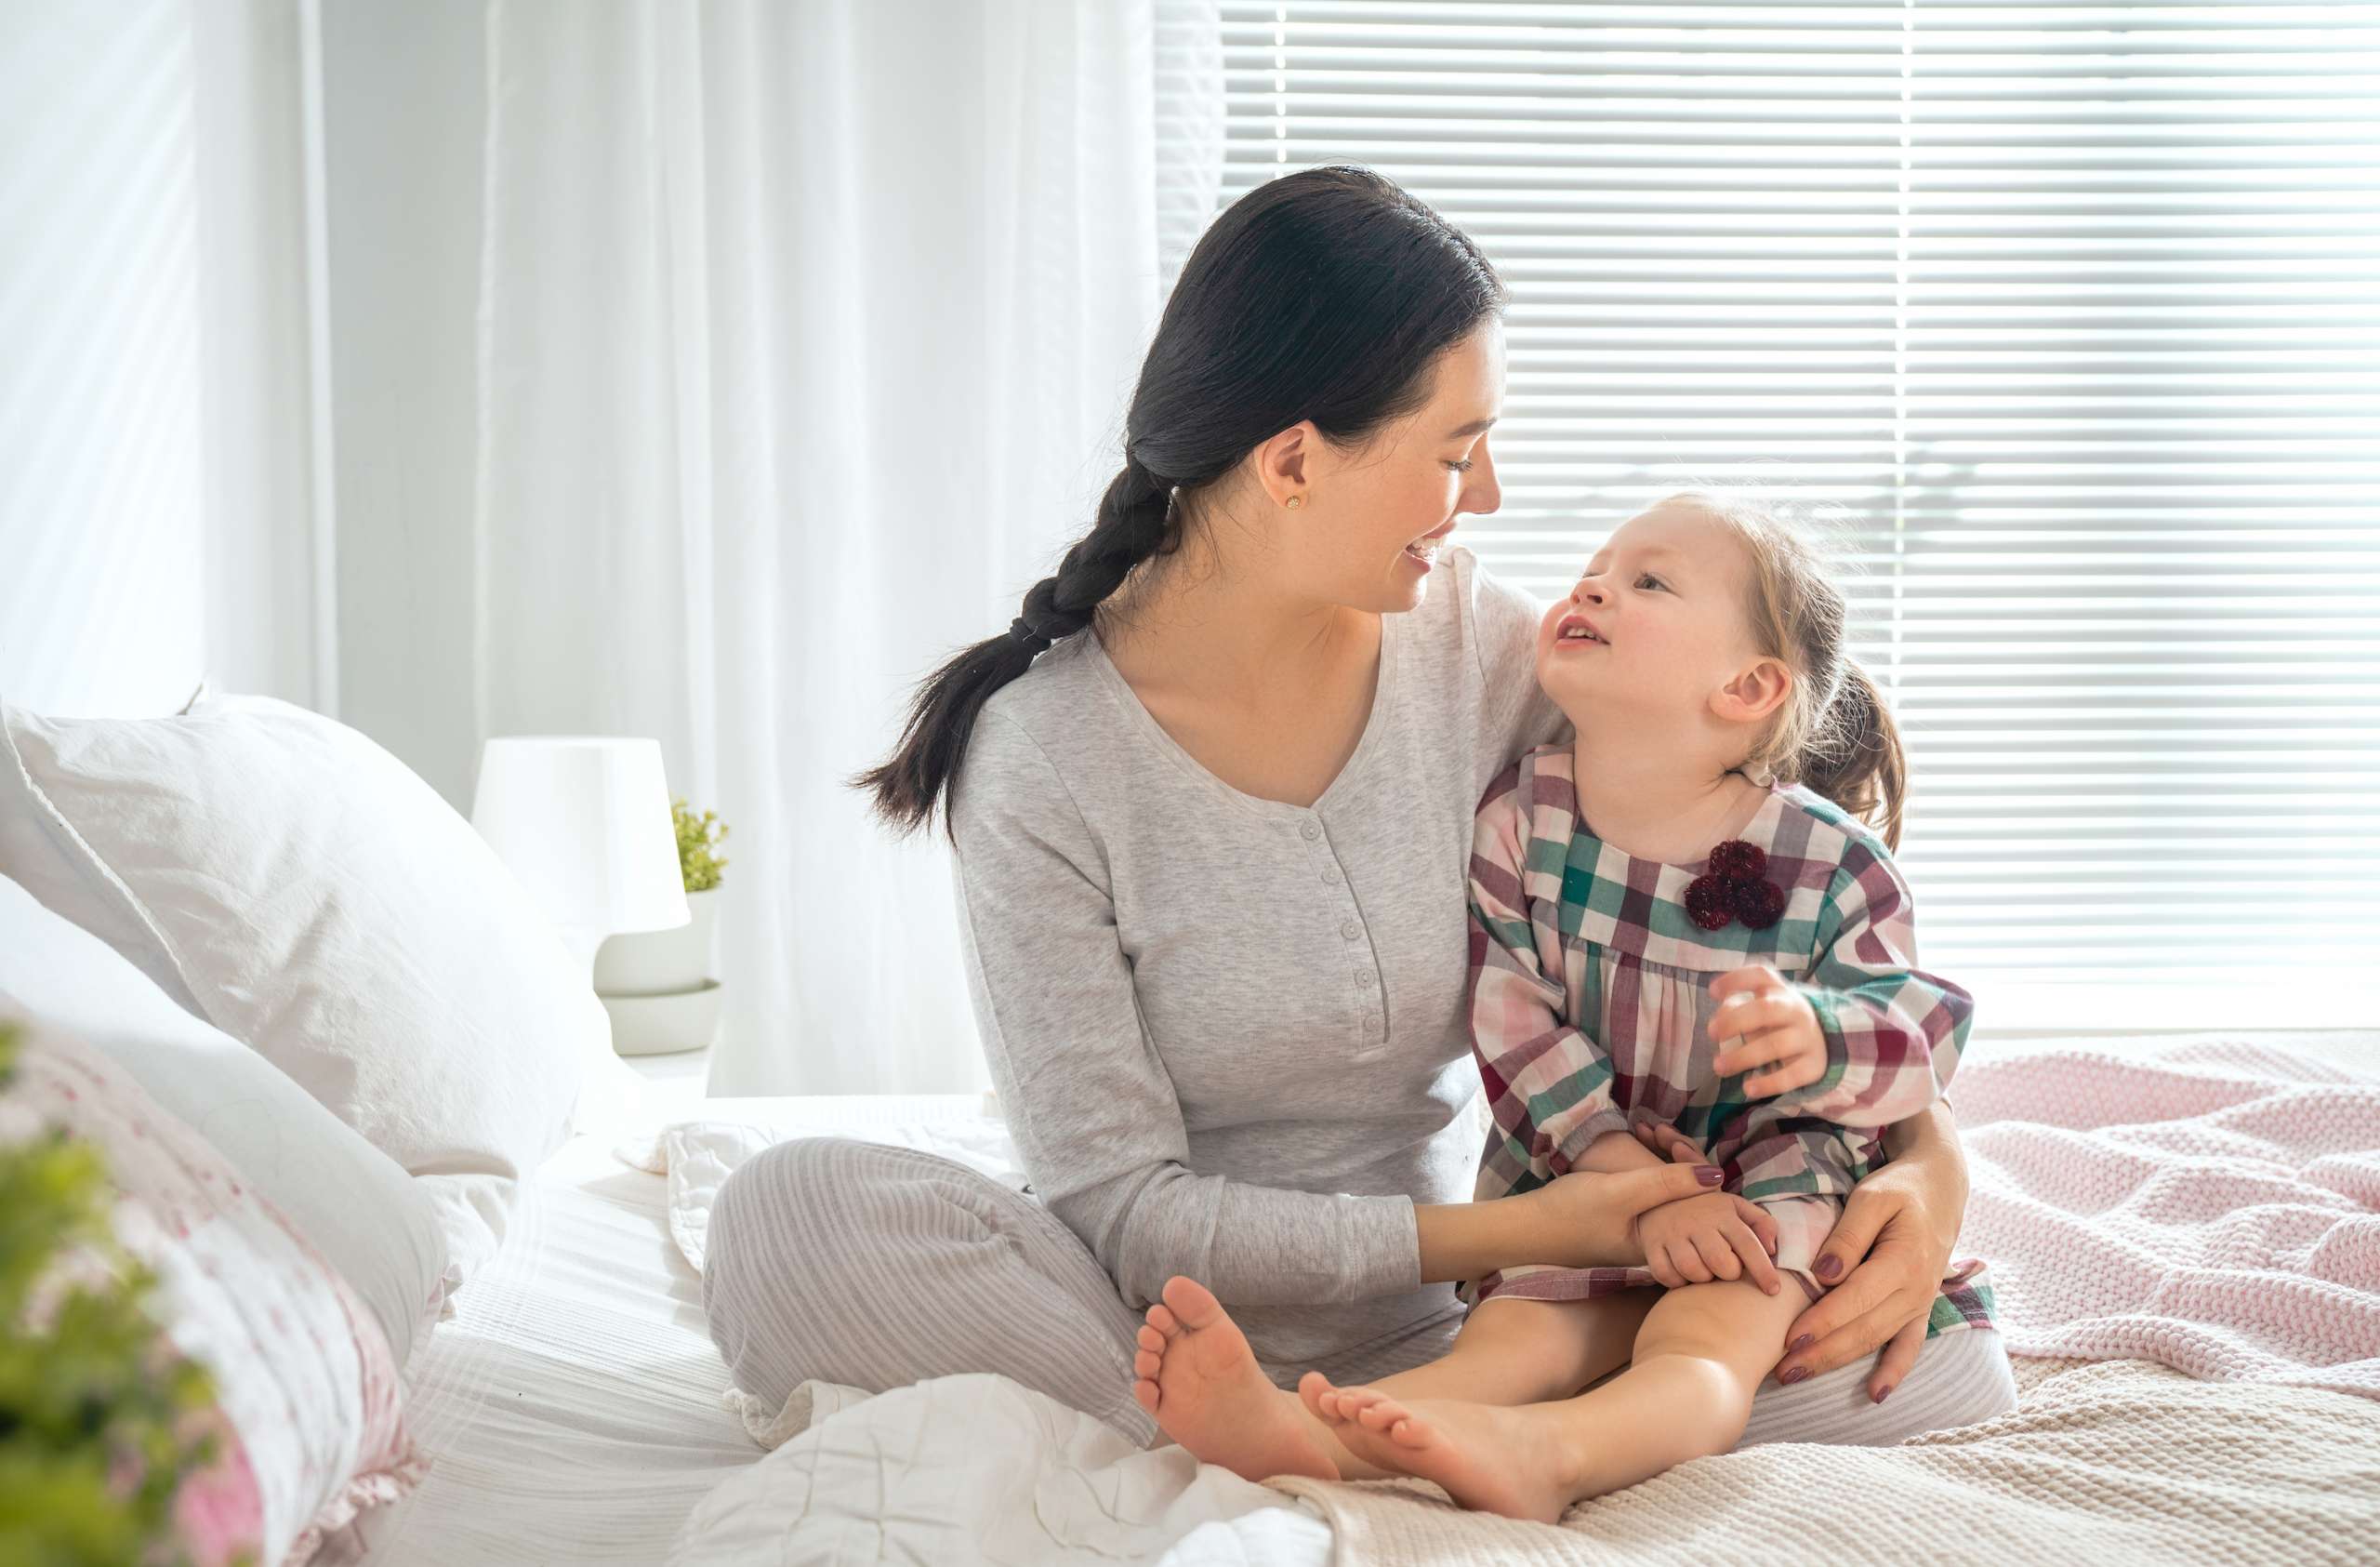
306, 1389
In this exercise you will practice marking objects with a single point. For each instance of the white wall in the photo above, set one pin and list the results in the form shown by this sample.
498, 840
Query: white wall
404, 91
153, 522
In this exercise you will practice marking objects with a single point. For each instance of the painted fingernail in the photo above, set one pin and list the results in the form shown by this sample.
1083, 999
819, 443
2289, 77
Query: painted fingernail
1884, 1392
1829, 1267
1800, 1344
1708, 1174
1794, 1375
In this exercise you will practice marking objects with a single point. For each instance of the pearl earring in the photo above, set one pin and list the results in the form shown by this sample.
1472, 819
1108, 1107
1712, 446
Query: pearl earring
1294, 502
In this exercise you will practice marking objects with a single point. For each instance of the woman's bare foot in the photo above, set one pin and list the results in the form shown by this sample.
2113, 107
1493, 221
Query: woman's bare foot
1196, 1374
1489, 1459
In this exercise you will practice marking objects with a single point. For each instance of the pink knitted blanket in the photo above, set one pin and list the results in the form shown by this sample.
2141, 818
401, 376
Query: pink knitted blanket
2213, 1206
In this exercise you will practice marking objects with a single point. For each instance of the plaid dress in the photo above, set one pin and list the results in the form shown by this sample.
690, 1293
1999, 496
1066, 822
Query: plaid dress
1590, 994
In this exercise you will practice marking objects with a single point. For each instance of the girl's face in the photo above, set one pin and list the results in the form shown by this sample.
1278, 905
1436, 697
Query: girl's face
1654, 632
1367, 531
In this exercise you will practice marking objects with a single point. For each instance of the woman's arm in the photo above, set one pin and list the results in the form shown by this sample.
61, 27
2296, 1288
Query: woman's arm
1585, 1219
1087, 1097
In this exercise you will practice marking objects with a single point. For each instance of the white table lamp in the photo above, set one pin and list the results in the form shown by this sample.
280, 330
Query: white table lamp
584, 821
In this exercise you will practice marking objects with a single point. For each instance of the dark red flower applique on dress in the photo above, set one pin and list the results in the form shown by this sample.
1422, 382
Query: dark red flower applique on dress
1732, 889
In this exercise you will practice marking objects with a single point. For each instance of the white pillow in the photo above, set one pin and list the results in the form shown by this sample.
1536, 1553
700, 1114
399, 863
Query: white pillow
42, 855
370, 1220
323, 905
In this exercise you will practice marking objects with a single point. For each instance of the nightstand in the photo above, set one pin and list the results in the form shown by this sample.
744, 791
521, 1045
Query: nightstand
672, 1087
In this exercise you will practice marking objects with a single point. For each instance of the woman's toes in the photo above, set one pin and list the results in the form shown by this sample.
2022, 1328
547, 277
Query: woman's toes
1152, 1340
1163, 1319
1146, 1363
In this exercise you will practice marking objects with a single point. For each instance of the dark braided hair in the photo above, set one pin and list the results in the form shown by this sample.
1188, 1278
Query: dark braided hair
1325, 295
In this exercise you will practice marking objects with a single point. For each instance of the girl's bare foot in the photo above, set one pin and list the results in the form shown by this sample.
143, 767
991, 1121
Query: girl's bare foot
1196, 1374
1489, 1459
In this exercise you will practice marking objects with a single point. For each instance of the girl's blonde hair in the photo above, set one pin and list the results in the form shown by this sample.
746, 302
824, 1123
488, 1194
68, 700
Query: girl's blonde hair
1835, 733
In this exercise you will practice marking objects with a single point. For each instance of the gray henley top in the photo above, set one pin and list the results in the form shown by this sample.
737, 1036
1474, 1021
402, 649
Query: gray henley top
1228, 1032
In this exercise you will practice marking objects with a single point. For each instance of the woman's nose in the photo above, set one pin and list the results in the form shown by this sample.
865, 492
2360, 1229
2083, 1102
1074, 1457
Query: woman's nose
1483, 494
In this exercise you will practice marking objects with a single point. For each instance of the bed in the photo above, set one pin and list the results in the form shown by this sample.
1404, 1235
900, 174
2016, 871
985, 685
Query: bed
571, 1408
381, 1057
572, 1411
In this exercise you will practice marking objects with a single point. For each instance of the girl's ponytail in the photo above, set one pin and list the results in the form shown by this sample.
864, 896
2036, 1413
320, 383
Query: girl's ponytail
1135, 521
1854, 756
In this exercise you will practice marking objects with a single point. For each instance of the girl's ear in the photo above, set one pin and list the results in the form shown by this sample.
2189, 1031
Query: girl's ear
1756, 692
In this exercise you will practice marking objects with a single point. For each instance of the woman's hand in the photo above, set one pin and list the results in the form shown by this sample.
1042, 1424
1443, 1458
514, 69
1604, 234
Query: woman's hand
1897, 1251
1593, 1219
1779, 1028
1584, 1219
1894, 1243
1717, 1235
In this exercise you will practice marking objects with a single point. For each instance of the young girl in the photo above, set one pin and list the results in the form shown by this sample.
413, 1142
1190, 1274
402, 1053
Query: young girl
1682, 920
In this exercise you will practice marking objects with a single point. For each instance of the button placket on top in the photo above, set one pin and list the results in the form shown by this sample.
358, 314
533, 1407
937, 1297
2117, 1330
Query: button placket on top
1370, 1000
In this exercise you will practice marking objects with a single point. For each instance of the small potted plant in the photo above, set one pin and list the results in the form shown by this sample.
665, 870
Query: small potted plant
658, 985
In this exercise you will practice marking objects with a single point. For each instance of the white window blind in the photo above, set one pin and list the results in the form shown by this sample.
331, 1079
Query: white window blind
2074, 308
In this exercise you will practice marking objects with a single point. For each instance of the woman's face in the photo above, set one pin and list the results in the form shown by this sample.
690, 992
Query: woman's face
1368, 533
1656, 624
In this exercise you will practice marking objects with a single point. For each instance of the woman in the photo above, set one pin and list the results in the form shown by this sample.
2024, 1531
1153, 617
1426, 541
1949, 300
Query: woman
1210, 797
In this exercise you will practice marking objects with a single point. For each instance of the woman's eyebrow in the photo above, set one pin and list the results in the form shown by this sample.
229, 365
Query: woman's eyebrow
1474, 428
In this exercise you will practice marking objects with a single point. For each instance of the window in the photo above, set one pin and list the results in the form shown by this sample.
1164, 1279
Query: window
2074, 310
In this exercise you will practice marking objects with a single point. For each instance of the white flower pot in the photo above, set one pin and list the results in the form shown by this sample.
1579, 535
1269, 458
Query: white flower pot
666, 1024
657, 962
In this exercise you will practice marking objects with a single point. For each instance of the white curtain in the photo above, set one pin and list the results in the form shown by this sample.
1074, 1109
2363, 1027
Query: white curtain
156, 522
805, 334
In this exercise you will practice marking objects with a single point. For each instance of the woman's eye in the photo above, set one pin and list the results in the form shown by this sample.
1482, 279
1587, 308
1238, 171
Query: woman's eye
1461, 467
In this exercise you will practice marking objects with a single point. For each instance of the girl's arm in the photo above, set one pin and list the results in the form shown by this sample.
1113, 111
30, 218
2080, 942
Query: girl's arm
1892, 1032
1549, 1085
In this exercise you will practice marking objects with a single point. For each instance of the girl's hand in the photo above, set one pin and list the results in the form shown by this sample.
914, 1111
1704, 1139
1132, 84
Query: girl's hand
1895, 1254
1716, 1235
1669, 1142
1588, 1219
1779, 1030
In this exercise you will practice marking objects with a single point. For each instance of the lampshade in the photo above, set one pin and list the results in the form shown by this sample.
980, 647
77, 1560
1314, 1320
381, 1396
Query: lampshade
584, 821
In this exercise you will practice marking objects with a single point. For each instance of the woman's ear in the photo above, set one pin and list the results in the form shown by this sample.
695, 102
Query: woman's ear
1281, 462
1755, 693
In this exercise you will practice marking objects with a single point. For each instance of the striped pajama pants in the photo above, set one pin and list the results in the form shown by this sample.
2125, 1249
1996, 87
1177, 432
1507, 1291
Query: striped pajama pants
878, 1266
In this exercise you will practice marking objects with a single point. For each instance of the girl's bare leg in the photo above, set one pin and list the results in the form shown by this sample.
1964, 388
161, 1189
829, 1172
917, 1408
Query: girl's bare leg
1699, 1359
1197, 1376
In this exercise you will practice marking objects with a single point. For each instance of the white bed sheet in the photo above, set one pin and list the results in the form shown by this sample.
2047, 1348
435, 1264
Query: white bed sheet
571, 1409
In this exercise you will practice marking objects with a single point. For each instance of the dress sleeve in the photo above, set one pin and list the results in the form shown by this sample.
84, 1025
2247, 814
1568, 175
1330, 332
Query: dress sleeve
1549, 1085
1085, 1088
1893, 1032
